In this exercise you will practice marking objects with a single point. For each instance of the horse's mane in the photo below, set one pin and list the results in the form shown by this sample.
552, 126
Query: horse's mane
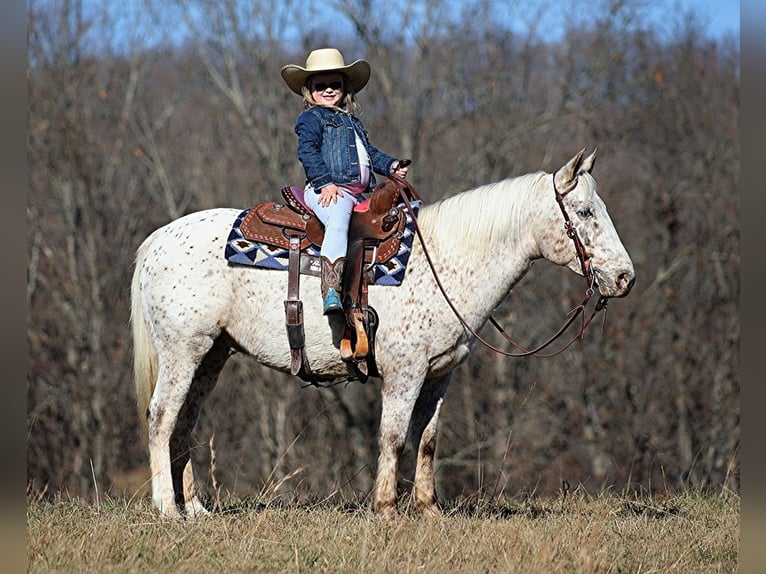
495, 211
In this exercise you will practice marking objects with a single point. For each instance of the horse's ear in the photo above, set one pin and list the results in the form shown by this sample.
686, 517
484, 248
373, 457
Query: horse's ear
567, 174
589, 162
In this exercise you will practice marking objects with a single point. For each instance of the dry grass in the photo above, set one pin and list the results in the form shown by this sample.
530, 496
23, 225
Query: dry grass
685, 533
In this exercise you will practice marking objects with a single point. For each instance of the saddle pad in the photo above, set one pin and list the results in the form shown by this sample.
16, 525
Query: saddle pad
241, 251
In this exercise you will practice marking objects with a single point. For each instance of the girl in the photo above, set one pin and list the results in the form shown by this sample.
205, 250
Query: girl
336, 154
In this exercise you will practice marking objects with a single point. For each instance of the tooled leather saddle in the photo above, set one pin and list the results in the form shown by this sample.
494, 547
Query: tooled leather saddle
375, 231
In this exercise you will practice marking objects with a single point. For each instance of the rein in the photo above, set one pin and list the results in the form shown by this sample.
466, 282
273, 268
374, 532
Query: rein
585, 264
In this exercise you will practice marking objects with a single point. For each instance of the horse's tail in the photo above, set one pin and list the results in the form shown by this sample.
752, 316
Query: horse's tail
145, 363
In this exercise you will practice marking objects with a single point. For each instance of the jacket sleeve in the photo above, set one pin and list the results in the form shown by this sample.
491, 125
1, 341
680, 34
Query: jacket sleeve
308, 127
381, 162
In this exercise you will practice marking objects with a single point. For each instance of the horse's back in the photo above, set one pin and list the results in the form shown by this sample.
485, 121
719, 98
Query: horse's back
182, 274
209, 228
198, 235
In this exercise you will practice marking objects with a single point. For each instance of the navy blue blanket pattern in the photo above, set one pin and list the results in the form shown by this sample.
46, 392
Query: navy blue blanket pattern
241, 251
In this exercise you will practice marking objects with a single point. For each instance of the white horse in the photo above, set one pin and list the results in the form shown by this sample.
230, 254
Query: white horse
190, 308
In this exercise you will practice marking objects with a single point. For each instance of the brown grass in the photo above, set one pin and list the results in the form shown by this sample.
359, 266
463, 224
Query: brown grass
689, 532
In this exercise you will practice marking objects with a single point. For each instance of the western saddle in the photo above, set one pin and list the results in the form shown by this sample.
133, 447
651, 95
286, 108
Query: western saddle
375, 231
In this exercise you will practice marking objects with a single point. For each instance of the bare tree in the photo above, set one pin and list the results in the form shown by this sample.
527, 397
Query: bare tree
82, 219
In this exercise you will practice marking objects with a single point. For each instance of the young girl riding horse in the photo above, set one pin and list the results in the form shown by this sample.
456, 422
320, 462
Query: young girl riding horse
336, 154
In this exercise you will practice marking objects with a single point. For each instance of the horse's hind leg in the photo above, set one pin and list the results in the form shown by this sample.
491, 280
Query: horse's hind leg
166, 402
203, 383
174, 378
423, 430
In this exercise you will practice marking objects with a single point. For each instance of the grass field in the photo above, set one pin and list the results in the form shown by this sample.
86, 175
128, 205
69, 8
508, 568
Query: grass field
687, 532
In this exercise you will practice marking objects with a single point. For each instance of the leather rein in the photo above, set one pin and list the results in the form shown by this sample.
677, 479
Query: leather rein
585, 264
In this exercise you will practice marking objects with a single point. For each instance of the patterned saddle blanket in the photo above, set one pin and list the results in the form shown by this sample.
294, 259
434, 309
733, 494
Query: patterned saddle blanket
243, 251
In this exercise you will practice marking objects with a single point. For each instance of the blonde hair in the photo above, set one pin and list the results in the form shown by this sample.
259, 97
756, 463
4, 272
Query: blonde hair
347, 103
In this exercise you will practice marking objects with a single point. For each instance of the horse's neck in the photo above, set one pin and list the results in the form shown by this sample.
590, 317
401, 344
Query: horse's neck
488, 233
490, 221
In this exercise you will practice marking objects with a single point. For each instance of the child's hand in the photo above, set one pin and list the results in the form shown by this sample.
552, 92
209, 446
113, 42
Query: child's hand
402, 167
329, 194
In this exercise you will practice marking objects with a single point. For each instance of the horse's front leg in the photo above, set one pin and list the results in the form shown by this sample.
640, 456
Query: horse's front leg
423, 430
400, 391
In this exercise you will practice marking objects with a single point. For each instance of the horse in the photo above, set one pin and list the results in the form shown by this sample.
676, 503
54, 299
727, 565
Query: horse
190, 309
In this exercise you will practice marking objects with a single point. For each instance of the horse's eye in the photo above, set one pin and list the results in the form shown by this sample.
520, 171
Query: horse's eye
585, 213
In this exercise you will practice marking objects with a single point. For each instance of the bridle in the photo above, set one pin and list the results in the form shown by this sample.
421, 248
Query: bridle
585, 265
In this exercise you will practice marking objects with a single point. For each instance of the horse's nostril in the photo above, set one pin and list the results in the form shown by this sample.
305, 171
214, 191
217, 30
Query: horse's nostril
626, 281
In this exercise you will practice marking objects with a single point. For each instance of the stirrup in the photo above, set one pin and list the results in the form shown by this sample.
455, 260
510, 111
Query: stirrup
355, 328
332, 302
362, 346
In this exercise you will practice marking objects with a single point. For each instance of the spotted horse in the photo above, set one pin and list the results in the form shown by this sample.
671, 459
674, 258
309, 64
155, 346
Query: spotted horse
190, 308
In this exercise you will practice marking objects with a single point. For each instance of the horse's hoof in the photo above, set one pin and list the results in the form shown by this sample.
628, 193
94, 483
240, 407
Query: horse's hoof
195, 509
173, 514
430, 511
387, 512
167, 509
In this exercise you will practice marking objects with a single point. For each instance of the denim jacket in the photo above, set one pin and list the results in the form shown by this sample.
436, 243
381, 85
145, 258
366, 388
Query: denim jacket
327, 148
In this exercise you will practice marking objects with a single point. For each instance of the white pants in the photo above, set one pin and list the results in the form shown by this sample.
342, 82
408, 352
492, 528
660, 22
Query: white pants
335, 218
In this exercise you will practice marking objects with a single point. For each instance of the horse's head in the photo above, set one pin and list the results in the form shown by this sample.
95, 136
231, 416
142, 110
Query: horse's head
604, 252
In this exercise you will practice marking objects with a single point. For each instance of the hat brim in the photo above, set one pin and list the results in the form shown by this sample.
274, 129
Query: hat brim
357, 75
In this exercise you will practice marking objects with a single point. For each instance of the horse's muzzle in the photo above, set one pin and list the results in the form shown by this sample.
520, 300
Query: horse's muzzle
618, 287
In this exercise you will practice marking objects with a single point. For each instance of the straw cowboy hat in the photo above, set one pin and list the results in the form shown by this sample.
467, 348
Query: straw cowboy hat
327, 60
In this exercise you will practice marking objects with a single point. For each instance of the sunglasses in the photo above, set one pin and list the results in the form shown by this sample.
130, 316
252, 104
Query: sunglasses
322, 86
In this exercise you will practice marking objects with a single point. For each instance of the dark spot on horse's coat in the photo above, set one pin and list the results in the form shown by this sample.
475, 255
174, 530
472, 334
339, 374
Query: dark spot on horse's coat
429, 449
158, 416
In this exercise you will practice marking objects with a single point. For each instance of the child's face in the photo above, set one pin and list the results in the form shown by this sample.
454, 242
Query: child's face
327, 89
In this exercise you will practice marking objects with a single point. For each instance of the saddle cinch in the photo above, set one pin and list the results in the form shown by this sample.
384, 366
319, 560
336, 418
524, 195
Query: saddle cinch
375, 231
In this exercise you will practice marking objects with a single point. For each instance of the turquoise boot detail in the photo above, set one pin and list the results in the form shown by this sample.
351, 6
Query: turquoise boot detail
331, 279
332, 302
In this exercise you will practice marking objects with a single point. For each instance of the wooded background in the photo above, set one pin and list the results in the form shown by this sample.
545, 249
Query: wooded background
132, 123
